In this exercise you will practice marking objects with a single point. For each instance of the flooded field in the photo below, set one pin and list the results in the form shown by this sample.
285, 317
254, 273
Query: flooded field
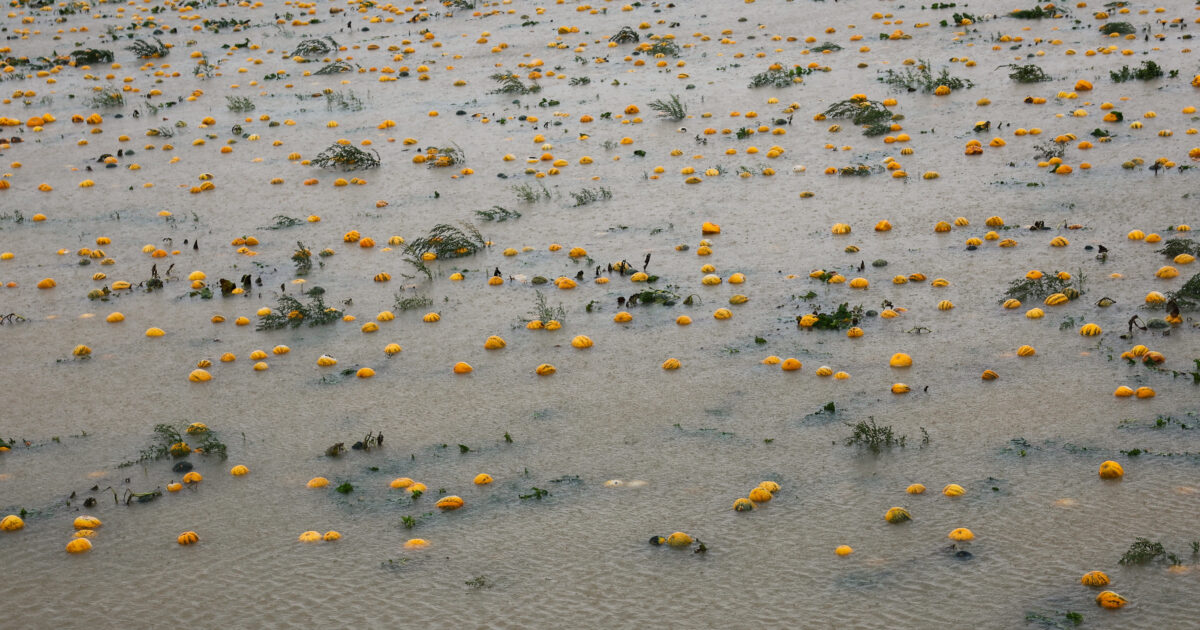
659, 210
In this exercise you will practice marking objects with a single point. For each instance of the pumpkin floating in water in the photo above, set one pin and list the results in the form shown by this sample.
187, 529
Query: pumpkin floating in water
1089, 330
769, 486
494, 343
900, 388
760, 495
671, 364
174, 487
86, 522
1094, 578
239, 471
791, 365
317, 482
581, 341
391, 349
989, 375
915, 488
1144, 392
400, 483
449, 503
1012, 303
416, 543
953, 490
743, 505
772, 360
679, 539
331, 536
722, 313
962, 534
310, 536
326, 361
622, 317
188, 538
841, 228
897, 515
79, 545
843, 550
945, 305
1035, 313
1123, 392
545, 369
1111, 470
192, 477
482, 479
1026, 351
11, 523
1109, 599
463, 367
900, 360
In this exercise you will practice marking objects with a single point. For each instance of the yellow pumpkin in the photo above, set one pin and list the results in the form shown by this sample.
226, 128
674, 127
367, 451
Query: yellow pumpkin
494, 343
581, 341
915, 488
722, 313
671, 364
1144, 392
239, 471
430, 318
843, 550
679, 539
962, 534
1111, 470
79, 545
1123, 392
193, 477
897, 515
1012, 303
1035, 313
86, 522
449, 503
760, 495
331, 536
1109, 599
900, 388
11, 523
945, 305
841, 228
989, 375
1089, 330
188, 538
1026, 351
769, 486
174, 487
772, 360
482, 479
953, 490
326, 361
416, 543
317, 482
1094, 578
1056, 299
310, 536
743, 505
400, 483
462, 367
622, 317
545, 369
791, 365
900, 360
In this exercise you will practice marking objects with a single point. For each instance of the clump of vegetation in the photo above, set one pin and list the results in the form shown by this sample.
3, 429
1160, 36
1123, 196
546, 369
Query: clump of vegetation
443, 157
826, 46
290, 312
511, 84
108, 97
148, 50
1143, 551
1028, 73
1145, 72
1027, 289
169, 441
302, 258
922, 79
87, 56
345, 101
317, 47
412, 302
1036, 13
347, 157
1122, 28
283, 221
1188, 296
671, 107
498, 214
239, 104
528, 194
779, 77
626, 36
447, 241
543, 312
664, 47
1173, 247
840, 319
873, 436
874, 117
335, 67
590, 195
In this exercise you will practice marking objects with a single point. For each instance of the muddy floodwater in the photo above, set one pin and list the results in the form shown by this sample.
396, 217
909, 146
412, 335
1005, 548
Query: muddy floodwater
138, 191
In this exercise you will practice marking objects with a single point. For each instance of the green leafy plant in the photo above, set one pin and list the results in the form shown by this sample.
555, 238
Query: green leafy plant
873, 436
528, 194
149, 50
590, 195
1145, 72
670, 107
302, 258
1188, 296
346, 157
1036, 13
511, 84
544, 313
498, 214
447, 241
345, 101
922, 79
414, 302
87, 56
874, 117
1028, 73
1143, 551
627, 35
315, 47
108, 97
239, 104
842, 318
166, 436
826, 46
335, 67
290, 312
1121, 28
780, 78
